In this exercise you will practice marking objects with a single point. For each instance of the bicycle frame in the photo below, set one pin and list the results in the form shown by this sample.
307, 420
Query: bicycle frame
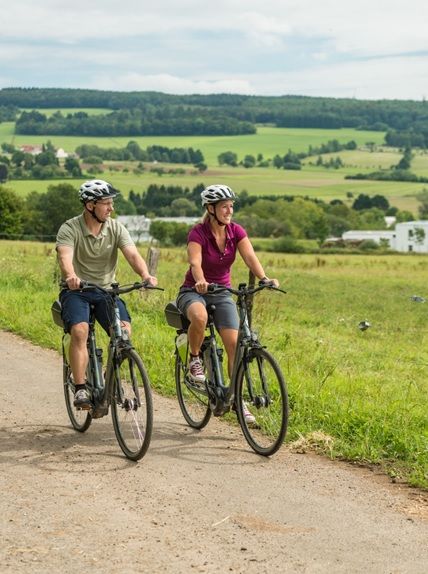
222, 396
103, 387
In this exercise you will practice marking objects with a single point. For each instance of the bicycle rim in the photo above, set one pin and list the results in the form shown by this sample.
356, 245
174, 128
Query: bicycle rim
132, 408
194, 404
80, 419
261, 386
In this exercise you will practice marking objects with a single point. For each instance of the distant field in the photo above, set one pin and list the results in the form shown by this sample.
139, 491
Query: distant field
50, 111
312, 181
269, 141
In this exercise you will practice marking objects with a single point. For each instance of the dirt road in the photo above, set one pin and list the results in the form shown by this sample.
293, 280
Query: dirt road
197, 502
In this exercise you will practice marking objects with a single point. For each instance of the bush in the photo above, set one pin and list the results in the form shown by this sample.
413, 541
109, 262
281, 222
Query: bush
368, 245
287, 245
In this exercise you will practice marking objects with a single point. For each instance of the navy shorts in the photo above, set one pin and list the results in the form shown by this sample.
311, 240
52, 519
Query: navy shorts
76, 308
225, 314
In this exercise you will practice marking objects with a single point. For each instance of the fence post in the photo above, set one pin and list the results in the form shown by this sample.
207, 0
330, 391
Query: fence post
152, 260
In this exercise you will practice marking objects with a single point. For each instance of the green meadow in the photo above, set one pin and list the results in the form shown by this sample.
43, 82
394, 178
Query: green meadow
312, 181
356, 395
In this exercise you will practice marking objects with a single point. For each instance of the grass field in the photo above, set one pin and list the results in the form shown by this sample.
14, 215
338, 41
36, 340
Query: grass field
316, 182
355, 395
269, 141
312, 182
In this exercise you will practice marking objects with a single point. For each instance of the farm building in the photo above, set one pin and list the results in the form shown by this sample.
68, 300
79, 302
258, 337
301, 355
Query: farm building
412, 236
409, 236
139, 225
376, 236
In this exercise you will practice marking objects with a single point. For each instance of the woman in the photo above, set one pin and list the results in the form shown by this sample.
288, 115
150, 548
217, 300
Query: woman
211, 251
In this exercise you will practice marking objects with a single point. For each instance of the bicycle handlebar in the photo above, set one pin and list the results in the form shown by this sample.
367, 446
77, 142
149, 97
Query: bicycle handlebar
242, 290
115, 288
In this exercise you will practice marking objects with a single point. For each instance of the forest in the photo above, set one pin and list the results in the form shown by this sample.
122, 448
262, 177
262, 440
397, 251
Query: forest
153, 113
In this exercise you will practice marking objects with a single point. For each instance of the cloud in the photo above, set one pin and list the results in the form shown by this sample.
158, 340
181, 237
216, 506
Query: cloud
172, 84
336, 47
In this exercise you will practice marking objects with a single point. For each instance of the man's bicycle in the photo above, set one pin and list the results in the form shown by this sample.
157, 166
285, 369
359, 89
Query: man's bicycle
123, 384
256, 378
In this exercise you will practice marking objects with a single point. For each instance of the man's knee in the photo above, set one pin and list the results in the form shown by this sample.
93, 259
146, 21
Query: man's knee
79, 332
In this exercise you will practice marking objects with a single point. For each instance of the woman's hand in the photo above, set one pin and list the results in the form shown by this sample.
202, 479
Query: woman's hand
274, 282
201, 286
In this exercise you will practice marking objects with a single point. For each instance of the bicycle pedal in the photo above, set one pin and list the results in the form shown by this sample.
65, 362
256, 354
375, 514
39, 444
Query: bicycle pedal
99, 411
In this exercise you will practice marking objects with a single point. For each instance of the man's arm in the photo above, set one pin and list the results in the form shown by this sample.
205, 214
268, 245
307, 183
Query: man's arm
65, 261
138, 264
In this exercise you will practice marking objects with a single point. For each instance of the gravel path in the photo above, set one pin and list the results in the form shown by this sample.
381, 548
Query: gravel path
197, 502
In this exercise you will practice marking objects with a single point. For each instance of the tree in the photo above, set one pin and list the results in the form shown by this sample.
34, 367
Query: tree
249, 161
3, 172
406, 160
47, 211
362, 202
72, 166
228, 158
11, 212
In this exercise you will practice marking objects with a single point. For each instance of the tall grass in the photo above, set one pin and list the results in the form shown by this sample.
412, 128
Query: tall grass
356, 395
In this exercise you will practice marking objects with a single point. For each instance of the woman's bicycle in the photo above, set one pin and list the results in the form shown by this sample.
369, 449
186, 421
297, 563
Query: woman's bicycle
124, 384
257, 382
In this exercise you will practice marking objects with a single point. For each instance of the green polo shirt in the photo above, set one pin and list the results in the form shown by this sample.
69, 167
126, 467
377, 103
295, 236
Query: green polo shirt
94, 258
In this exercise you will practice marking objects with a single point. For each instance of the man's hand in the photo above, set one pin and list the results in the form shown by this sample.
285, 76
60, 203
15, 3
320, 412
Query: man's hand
73, 282
151, 280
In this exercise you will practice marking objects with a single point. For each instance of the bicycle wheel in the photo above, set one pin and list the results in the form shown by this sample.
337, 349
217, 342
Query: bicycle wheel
132, 408
261, 386
194, 403
80, 419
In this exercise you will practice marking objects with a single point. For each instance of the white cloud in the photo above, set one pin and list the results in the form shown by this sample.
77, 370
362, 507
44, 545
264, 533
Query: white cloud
246, 46
171, 84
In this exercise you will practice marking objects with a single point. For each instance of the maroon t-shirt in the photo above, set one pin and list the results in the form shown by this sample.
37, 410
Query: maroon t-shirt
215, 264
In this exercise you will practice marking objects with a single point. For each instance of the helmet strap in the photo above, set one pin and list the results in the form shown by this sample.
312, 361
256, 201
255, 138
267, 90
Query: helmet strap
215, 215
94, 215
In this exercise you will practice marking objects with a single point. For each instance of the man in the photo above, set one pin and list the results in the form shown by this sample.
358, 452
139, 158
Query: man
87, 248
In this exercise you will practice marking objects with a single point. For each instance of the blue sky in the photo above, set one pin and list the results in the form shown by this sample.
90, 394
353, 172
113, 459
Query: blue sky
368, 49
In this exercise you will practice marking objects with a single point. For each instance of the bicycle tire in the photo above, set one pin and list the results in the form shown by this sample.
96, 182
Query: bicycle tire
79, 418
193, 404
261, 385
132, 406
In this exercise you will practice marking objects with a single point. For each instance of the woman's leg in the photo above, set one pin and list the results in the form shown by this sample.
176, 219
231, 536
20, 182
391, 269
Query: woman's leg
197, 316
230, 339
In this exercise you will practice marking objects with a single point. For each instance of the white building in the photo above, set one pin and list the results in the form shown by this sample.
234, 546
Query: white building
376, 236
139, 225
409, 236
412, 236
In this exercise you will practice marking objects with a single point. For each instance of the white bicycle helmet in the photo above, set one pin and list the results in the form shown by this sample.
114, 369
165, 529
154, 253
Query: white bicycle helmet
96, 189
216, 193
